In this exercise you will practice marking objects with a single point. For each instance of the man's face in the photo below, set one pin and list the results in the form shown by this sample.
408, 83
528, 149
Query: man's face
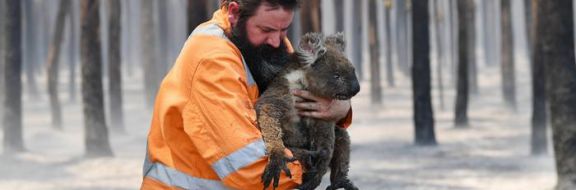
268, 25
260, 39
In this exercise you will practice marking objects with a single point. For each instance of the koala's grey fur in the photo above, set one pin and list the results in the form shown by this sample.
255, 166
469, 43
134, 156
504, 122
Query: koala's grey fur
319, 66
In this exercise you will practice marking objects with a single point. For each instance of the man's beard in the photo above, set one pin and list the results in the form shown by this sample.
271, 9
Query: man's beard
264, 61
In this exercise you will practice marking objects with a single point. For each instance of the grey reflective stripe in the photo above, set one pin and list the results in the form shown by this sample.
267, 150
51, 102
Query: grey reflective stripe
175, 178
211, 30
215, 30
147, 164
239, 159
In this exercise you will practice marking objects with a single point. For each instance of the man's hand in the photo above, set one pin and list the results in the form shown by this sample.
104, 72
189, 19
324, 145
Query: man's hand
321, 108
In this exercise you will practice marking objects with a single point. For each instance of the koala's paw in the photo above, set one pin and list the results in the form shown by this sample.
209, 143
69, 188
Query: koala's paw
276, 164
343, 183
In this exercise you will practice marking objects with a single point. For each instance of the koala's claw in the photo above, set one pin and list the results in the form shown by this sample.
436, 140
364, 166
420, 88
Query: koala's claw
276, 164
344, 183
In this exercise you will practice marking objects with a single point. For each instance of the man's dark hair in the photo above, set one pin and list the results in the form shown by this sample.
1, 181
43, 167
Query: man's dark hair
248, 7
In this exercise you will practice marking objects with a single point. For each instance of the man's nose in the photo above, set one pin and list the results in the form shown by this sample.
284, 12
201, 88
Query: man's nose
274, 40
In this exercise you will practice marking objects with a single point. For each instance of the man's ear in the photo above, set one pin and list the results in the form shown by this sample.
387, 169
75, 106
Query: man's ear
311, 47
337, 40
233, 12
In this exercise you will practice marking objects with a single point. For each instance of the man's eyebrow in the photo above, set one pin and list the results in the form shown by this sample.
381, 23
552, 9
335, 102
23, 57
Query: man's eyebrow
273, 29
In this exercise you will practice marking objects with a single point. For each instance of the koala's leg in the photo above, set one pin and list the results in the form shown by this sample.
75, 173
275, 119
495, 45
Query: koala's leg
340, 163
306, 157
270, 119
322, 136
298, 141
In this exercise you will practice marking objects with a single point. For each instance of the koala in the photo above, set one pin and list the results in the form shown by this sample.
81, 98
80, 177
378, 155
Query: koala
319, 66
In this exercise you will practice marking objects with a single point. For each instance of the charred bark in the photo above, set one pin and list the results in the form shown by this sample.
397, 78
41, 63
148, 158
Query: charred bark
115, 67
454, 51
12, 55
555, 40
197, 13
357, 47
96, 134
402, 36
375, 86
440, 21
472, 65
539, 138
30, 59
421, 87
74, 50
388, 45
310, 16
2, 65
53, 64
507, 58
461, 110
339, 12
38, 43
150, 63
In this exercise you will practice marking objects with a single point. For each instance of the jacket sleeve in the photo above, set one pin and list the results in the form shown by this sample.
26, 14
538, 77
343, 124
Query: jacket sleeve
346, 121
227, 136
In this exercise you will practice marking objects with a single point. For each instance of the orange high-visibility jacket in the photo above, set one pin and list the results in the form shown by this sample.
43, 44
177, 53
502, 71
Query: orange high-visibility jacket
203, 133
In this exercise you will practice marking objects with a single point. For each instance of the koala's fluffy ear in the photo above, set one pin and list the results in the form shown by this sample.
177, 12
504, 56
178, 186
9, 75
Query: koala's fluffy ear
337, 41
311, 47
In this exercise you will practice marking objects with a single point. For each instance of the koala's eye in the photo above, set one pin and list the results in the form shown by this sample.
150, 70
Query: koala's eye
336, 76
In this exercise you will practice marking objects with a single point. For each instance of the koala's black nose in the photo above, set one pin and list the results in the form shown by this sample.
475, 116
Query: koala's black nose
355, 87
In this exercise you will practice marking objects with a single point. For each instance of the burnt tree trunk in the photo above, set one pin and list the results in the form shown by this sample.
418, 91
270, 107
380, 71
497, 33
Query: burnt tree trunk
375, 86
529, 16
461, 110
490, 29
53, 64
44, 37
507, 58
450, 42
74, 50
556, 36
454, 51
2, 65
339, 12
402, 36
151, 81
421, 87
357, 46
30, 59
96, 133
115, 67
197, 14
409, 30
539, 142
163, 42
12, 55
310, 15
439, 17
388, 45
212, 6
472, 65
131, 36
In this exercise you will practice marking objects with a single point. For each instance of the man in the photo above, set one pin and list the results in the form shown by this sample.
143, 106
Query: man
203, 133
